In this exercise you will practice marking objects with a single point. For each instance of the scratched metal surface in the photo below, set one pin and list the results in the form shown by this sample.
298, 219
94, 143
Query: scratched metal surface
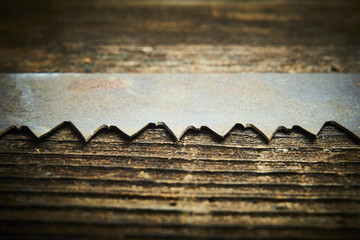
218, 101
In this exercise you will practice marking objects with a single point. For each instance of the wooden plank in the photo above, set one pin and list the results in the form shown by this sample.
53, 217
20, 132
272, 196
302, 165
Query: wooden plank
200, 186
153, 36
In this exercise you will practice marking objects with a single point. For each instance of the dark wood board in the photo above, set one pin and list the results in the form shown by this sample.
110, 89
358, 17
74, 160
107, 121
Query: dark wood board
179, 36
202, 186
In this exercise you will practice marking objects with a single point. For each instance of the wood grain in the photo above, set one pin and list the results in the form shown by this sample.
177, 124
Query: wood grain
179, 36
202, 186
151, 186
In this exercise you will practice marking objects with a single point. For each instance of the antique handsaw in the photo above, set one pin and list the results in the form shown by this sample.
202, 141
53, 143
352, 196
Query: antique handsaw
179, 101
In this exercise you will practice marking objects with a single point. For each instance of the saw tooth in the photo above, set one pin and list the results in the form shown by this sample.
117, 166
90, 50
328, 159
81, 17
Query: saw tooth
40, 131
133, 130
312, 127
86, 131
177, 129
167, 129
221, 129
266, 131
350, 128
218, 101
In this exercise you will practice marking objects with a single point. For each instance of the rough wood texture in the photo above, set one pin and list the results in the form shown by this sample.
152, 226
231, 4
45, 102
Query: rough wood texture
112, 187
195, 36
200, 187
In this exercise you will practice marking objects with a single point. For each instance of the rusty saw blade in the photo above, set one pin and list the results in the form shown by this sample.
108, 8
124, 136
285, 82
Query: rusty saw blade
218, 101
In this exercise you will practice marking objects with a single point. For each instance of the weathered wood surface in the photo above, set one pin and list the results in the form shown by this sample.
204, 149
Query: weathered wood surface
155, 36
151, 186
112, 187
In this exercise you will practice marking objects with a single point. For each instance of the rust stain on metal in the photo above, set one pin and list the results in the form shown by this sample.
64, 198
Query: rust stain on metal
97, 84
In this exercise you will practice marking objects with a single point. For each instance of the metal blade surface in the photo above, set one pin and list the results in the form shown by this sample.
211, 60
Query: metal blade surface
41, 101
